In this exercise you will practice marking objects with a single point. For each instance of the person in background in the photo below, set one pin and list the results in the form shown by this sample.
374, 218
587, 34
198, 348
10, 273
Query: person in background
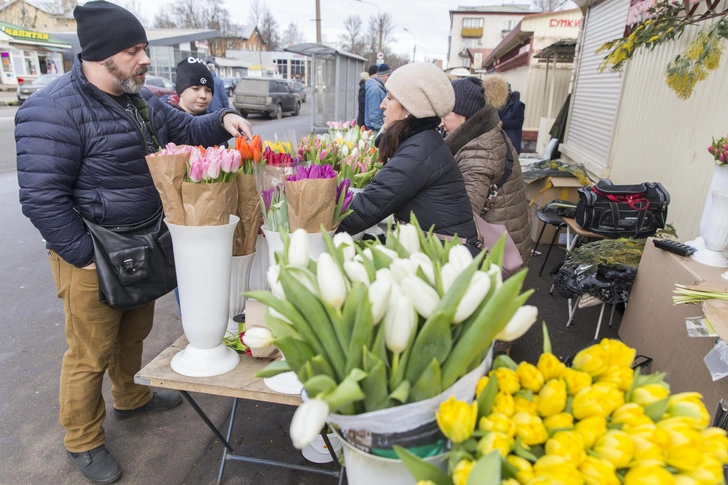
375, 94
512, 116
480, 149
81, 144
219, 99
195, 87
362, 93
419, 173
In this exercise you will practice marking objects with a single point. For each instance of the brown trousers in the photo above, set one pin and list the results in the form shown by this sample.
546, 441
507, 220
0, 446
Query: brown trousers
99, 338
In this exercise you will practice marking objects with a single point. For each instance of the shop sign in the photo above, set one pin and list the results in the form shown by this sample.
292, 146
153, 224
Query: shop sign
24, 34
572, 23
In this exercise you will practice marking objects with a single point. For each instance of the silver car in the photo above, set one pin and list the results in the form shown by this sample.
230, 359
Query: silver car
25, 90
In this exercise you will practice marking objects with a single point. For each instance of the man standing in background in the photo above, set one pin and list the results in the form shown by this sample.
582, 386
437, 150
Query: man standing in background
219, 99
375, 94
365, 76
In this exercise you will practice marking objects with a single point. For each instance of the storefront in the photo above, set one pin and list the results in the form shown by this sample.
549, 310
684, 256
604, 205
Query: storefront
27, 54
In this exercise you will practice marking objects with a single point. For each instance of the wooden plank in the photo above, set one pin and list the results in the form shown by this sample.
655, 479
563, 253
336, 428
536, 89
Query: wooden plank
239, 382
577, 229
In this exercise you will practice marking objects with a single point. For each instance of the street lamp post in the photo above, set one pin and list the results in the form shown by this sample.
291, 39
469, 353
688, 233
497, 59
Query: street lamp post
414, 51
379, 16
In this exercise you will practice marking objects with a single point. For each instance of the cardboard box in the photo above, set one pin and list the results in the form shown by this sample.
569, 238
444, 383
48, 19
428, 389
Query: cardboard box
543, 190
656, 328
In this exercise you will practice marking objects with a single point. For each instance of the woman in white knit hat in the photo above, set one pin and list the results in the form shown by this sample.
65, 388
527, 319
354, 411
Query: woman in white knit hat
419, 174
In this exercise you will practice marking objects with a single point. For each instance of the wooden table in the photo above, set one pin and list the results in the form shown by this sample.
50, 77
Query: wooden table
239, 383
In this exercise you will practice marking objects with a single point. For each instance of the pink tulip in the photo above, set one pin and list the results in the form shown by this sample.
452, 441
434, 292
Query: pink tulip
213, 169
323, 155
725, 147
196, 172
722, 158
346, 125
227, 162
711, 148
353, 122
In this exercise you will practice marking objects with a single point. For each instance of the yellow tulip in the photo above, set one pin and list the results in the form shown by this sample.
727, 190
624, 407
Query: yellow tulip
709, 472
681, 479
507, 380
559, 421
618, 354
525, 405
530, 377
648, 394
690, 405
456, 419
619, 376
645, 451
543, 480
530, 429
504, 404
716, 443
510, 481
684, 445
568, 444
598, 471
550, 366
498, 422
591, 429
495, 441
649, 475
592, 360
576, 381
425, 482
482, 382
600, 399
552, 398
616, 447
630, 415
524, 467
462, 472
558, 469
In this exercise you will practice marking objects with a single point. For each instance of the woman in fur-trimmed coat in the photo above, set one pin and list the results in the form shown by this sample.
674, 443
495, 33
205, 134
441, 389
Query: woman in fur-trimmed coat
480, 146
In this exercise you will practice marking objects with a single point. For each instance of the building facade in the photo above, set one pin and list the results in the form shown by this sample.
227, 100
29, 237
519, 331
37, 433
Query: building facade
38, 15
26, 54
480, 28
247, 38
279, 64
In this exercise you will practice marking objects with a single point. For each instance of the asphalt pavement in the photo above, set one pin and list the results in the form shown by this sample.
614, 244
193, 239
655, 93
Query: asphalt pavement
174, 447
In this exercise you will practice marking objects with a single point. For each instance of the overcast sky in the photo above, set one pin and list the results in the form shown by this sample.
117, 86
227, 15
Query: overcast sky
428, 20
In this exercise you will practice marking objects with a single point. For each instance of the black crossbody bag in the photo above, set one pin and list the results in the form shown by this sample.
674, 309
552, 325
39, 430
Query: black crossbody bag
135, 264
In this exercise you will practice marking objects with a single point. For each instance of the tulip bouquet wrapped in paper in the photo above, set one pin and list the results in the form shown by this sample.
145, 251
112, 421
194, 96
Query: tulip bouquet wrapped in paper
316, 199
248, 206
275, 209
371, 331
597, 422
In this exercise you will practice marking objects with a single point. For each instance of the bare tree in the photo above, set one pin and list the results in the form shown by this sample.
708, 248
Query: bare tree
353, 39
268, 29
292, 35
381, 28
164, 20
257, 11
134, 6
548, 5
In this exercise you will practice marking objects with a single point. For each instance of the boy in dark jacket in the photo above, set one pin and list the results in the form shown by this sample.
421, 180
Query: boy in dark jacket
81, 146
195, 87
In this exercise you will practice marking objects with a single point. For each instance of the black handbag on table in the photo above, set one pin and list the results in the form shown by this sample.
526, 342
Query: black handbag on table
615, 211
135, 264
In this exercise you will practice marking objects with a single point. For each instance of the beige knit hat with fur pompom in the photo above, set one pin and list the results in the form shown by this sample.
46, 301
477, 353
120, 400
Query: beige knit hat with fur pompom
423, 89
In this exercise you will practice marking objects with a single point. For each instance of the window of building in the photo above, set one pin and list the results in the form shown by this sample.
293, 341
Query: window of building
29, 60
473, 23
230, 44
298, 69
282, 67
510, 25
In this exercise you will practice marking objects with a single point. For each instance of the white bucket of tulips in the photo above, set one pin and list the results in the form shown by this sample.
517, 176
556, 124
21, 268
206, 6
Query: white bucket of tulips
381, 335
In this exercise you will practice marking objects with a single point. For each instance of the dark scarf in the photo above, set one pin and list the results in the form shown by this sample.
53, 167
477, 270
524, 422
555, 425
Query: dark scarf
481, 122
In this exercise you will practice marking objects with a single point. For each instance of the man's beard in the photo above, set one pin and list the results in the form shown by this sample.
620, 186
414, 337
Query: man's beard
127, 83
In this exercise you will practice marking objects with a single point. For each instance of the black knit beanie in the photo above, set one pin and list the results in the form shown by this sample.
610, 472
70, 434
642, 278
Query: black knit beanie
104, 29
469, 98
372, 70
193, 72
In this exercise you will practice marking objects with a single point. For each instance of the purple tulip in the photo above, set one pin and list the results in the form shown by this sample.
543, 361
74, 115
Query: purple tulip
347, 201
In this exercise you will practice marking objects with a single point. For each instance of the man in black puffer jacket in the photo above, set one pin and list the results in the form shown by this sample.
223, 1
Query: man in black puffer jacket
81, 146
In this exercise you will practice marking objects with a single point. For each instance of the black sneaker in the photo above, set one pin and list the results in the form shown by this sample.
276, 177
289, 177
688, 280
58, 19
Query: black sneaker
97, 465
160, 402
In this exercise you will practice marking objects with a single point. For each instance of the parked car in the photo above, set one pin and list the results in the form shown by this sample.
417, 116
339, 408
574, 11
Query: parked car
230, 84
160, 86
25, 90
266, 96
299, 89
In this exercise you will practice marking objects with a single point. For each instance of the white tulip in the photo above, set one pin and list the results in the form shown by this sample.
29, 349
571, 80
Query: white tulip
379, 293
477, 290
276, 287
519, 324
368, 254
398, 328
276, 314
343, 150
387, 252
355, 152
356, 272
402, 268
448, 274
384, 273
331, 282
496, 273
424, 262
460, 257
409, 237
308, 421
258, 338
348, 242
423, 296
298, 249
304, 277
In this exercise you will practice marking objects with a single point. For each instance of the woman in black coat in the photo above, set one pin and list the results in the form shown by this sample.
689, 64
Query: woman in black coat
419, 173
362, 98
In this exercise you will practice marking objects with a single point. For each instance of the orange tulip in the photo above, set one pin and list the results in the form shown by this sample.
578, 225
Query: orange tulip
257, 155
257, 143
242, 146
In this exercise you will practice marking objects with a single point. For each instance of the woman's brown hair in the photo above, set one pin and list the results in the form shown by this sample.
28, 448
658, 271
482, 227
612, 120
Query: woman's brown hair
400, 130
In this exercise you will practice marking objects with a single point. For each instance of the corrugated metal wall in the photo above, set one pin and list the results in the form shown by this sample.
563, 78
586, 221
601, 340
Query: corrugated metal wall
537, 100
660, 137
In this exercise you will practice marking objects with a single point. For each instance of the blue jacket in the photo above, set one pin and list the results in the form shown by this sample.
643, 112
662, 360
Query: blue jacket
220, 98
78, 150
375, 94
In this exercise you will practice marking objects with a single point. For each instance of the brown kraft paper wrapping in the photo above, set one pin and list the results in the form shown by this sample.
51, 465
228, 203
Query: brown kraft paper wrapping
209, 204
248, 210
311, 202
168, 173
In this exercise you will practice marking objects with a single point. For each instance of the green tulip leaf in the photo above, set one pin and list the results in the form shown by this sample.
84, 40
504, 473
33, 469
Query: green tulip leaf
368, 265
487, 397
428, 385
320, 366
351, 307
546, 338
360, 336
525, 393
381, 260
451, 300
336, 253
401, 392
507, 469
524, 452
279, 327
375, 387
347, 392
434, 340
297, 354
273, 369
319, 384
487, 470
421, 469
655, 410
504, 361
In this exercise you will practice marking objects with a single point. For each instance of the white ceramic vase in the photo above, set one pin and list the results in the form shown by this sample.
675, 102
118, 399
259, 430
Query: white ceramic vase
719, 182
275, 244
203, 259
714, 231
239, 284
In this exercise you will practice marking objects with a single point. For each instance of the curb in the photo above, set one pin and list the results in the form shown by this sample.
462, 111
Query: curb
9, 103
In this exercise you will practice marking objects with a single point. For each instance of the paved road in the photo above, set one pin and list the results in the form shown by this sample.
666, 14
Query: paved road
7, 138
